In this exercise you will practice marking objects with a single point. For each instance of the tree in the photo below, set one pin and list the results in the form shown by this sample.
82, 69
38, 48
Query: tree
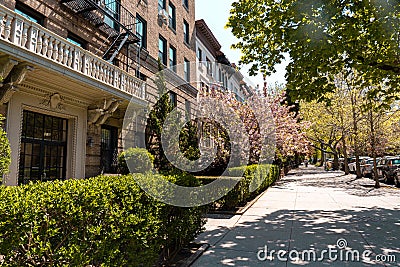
379, 119
326, 131
321, 38
348, 116
347, 83
266, 119
290, 135
188, 139
156, 120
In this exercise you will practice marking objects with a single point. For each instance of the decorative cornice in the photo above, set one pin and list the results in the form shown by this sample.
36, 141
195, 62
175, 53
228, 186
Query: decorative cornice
38, 90
203, 29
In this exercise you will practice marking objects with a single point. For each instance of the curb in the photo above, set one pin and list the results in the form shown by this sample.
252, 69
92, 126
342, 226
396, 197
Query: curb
189, 261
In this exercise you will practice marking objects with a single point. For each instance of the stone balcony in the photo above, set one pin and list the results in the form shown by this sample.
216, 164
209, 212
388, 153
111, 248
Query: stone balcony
29, 41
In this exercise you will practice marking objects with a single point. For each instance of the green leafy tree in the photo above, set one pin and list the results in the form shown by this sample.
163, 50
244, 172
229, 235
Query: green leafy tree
188, 141
155, 122
321, 38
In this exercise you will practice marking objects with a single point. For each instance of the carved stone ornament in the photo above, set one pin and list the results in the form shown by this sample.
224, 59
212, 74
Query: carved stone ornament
99, 116
54, 101
15, 77
6, 65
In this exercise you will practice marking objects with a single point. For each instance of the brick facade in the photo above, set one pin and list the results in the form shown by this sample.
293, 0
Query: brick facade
62, 21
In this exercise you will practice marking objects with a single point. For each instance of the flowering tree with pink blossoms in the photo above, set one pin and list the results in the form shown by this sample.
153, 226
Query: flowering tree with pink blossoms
272, 129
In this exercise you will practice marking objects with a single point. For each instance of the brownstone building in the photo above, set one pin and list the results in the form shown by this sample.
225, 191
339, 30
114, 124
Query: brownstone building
69, 68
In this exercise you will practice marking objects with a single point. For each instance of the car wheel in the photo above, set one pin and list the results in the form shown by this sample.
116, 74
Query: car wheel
386, 178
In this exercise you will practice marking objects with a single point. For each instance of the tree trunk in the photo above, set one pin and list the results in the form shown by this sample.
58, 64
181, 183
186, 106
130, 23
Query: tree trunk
346, 162
335, 161
355, 135
358, 167
322, 155
373, 143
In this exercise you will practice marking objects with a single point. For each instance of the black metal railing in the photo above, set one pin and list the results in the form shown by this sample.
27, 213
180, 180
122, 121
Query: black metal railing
107, 15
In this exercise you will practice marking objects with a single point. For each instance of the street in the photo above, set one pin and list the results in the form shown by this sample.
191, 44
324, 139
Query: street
310, 217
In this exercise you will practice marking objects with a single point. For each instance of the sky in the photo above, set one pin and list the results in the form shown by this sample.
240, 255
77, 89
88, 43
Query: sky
216, 13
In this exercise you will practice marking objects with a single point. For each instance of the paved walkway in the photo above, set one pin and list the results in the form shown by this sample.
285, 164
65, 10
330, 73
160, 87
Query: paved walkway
302, 218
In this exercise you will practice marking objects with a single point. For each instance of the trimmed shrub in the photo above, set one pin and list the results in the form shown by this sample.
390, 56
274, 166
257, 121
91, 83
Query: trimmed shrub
240, 194
139, 160
5, 157
102, 221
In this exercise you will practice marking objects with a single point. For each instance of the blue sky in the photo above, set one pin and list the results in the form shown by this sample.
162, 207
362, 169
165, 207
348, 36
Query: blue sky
216, 14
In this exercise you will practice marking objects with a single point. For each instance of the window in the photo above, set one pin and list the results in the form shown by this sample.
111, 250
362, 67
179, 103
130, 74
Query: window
186, 32
202, 84
113, 11
43, 148
204, 87
141, 31
161, 5
187, 109
76, 40
186, 70
29, 13
162, 47
172, 16
173, 99
199, 54
172, 58
185, 3
209, 66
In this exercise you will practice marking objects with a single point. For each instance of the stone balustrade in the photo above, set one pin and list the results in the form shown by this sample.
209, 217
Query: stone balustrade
31, 36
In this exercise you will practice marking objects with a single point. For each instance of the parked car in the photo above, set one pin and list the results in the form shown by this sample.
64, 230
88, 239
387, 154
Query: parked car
341, 163
328, 164
396, 177
367, 166
352, 163
387, 167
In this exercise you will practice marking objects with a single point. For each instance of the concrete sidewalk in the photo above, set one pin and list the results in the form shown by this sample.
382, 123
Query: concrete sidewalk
313, 218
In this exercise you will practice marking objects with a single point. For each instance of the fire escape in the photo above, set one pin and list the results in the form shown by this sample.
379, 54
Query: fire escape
110, 17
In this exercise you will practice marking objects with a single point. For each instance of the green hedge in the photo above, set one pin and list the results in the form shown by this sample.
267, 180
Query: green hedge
138, 159
102, 221
240, 194
5, 157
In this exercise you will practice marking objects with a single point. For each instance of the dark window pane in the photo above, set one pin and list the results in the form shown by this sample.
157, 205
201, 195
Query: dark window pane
38, 127
141, 31
27, 160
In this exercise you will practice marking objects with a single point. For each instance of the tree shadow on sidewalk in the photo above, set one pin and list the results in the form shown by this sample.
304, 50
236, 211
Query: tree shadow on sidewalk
360, 229
317, 177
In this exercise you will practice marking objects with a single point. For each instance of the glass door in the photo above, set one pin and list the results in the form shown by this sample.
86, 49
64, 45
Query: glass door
109, 149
